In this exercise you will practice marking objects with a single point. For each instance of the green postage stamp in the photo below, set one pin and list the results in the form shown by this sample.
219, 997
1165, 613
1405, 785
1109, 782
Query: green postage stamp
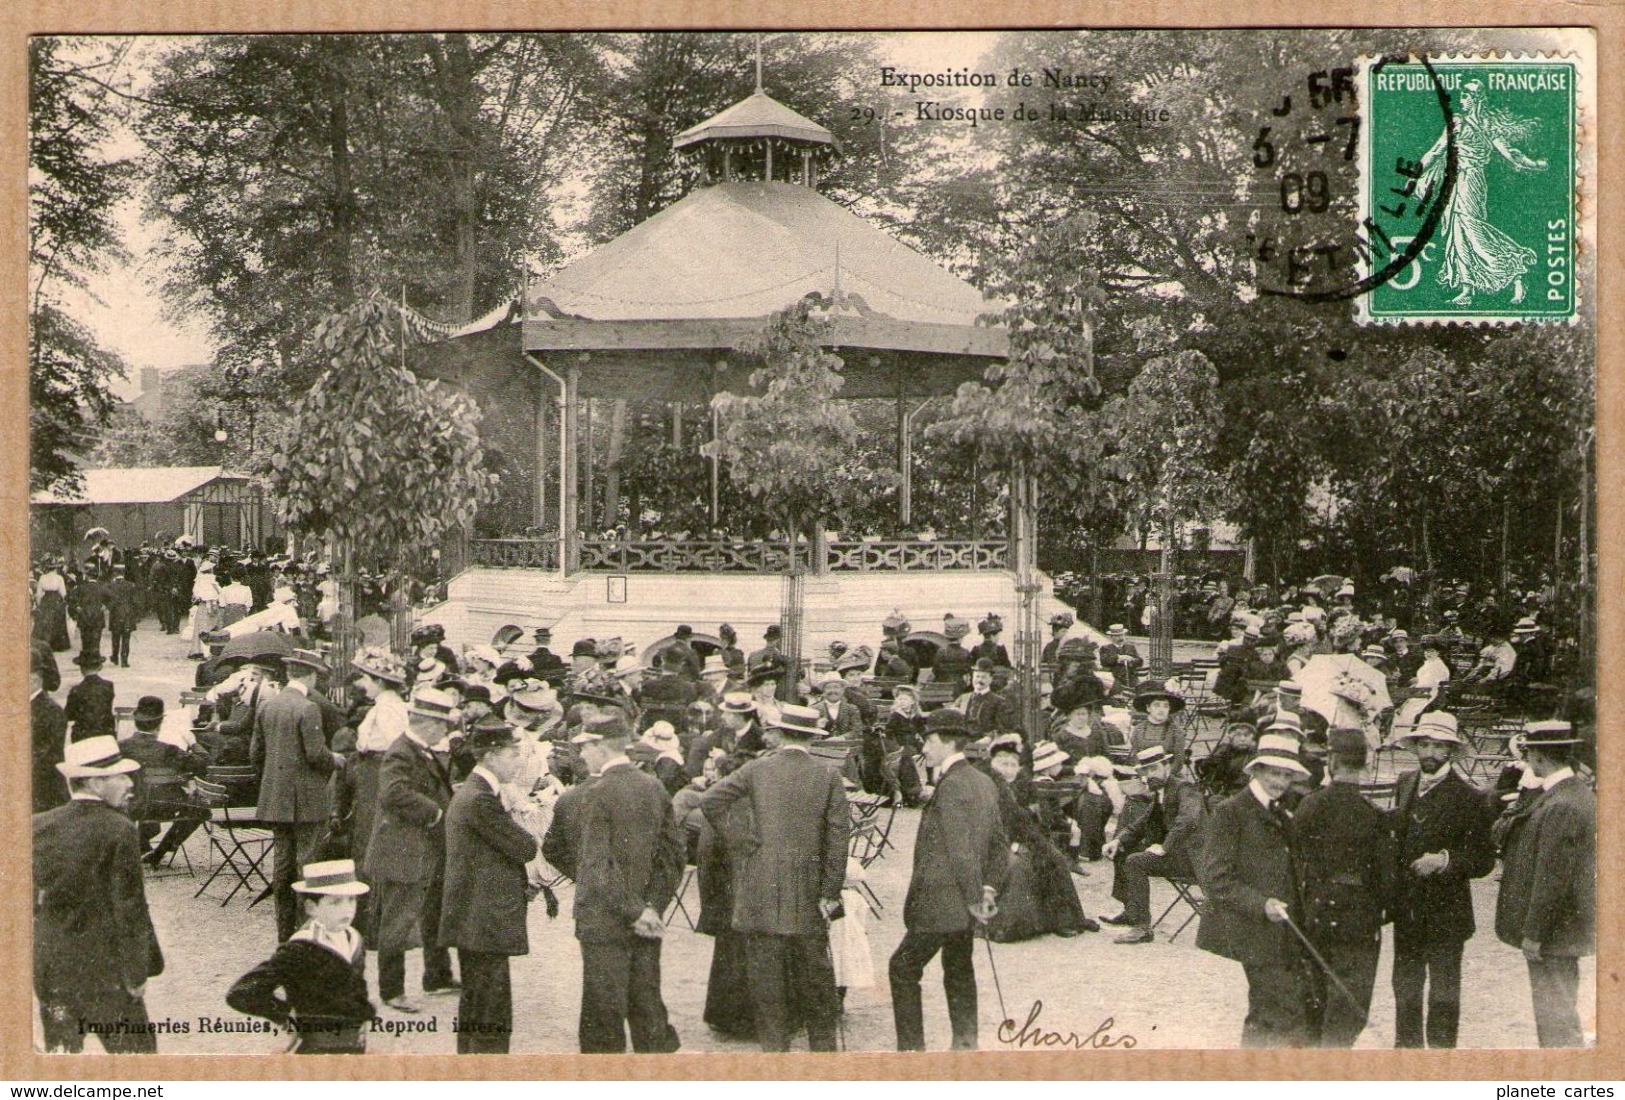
1468, 189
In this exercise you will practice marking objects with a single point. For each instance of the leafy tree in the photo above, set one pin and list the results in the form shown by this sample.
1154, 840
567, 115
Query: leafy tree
374, 462
74, 188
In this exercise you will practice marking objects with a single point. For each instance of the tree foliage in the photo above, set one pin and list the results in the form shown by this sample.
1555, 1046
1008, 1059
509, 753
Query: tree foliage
74, 189
373, 458
788, 445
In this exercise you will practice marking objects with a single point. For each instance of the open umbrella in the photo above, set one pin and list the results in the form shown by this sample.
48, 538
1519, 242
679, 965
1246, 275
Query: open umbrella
1345, 691
1327, 584
257, 644
97, 533
702, 644
920, 648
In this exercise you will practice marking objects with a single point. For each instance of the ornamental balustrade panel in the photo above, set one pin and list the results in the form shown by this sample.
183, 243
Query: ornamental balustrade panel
740, 556
515, 553
689, 556
917, 555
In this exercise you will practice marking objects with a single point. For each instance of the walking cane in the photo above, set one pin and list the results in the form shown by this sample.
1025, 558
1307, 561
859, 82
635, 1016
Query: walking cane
1322, 963
991, 965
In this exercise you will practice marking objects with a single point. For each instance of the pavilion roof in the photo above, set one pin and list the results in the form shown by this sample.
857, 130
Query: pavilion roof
746, 250
758, 115
138, 485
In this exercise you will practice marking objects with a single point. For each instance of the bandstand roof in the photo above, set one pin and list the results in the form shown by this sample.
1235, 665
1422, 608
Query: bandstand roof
704, 274
759, 115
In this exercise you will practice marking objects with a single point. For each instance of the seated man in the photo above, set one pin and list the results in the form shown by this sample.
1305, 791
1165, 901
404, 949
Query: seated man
1158, 843
161, 793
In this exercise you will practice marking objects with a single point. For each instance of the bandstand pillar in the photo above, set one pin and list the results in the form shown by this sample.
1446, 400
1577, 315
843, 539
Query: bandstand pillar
569, 548
1023, 551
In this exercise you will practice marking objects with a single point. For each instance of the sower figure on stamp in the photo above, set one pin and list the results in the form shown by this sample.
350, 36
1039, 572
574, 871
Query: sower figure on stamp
320, 970
787, 881
960, 863
1442, 843
487, 888
290, 752
94, 945
621, 844
1246, 870
406, 855
1345, 856
1548, 901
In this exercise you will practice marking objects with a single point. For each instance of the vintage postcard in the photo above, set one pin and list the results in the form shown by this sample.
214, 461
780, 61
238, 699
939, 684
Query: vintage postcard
690, 542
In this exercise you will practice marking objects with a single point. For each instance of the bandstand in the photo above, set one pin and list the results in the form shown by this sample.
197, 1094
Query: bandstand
655, 315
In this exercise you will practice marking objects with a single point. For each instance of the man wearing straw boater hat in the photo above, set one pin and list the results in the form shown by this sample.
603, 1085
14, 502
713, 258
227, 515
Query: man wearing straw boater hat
1252, 894
320, 970
788, 886
1345, 856
290, 751
406, 854
483, 912
1157, 843
1443, 842
94, 945
1547, 905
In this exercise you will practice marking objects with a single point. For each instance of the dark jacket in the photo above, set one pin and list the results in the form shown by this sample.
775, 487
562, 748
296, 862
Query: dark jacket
624, 848
320, 989
795, 852
1345, 855
849, 724
92, 931
123, 604
164, 772
1174, 821
290, 752
990, 713
1244, 862
486, 852
408, 842
1549, 877
90, 708
1454, 818
959, 849
48, 725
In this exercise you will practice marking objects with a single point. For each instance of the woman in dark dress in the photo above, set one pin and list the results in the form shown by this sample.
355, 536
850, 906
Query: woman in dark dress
51, 611
1039, 896
728, 1009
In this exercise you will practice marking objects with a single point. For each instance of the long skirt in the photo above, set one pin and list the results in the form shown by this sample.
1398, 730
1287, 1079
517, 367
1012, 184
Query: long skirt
51, 622
727, 993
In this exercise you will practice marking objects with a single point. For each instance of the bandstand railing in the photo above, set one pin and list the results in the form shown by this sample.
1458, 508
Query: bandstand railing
747, 556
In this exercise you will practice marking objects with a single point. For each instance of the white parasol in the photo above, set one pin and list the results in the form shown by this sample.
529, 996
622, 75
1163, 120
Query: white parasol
1345, 691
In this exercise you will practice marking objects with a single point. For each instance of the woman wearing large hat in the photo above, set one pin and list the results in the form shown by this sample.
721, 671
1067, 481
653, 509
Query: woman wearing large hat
381, 679
990, 648
1155, 704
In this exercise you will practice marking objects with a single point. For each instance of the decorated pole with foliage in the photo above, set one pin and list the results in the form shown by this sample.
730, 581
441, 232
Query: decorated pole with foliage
788, 444
376, 463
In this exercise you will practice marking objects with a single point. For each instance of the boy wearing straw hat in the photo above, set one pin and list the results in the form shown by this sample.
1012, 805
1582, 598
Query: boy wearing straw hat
1443, 840
1252, 892
94, 944
1547, 905
319, 970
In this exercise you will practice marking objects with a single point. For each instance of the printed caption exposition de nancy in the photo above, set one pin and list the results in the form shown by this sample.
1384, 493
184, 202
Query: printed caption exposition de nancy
1077, 110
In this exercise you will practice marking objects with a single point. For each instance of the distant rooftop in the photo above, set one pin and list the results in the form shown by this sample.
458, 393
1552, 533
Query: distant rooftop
139, 485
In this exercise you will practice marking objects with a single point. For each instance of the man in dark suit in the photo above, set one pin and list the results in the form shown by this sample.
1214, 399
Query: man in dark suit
1156, 843
1246, 871
1442, 835
623, 847
88, 602
1548, 901
48, 726
788, 880
483, 912
90, 701
839, 715
94, 945
987, 711
406, 854
1346, 860
123, 601
293, 761
960, 863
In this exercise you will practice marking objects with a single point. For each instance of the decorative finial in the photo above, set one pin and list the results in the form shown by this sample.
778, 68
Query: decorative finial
758, 62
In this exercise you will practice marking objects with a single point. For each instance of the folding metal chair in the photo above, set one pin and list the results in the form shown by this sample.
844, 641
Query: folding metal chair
677, 902
242, 843
1187, 891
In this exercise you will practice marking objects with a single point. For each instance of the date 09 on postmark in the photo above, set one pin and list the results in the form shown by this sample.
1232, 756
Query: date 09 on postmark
1468, 179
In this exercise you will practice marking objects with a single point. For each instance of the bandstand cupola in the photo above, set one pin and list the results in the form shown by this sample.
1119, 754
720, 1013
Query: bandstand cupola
758, 139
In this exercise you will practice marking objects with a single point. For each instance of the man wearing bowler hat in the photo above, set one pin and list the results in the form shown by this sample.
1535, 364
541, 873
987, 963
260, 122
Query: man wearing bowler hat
1442, 843
961, 858
89, 706
1252, 891
1547, 905
623, 847
289, 751
787, 882
486, 890
94, 945
986, 711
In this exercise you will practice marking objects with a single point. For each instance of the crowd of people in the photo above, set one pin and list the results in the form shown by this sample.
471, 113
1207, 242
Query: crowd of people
458, 786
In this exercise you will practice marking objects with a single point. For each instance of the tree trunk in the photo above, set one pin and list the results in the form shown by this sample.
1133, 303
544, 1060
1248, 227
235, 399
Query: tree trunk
460, 100
342, 202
